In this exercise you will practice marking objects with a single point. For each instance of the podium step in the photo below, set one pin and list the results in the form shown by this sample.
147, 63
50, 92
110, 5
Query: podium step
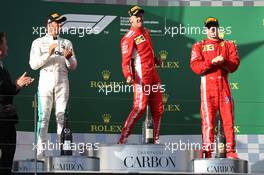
58, 164
28, 166
220, 165
71, 163
134, 159
142, 158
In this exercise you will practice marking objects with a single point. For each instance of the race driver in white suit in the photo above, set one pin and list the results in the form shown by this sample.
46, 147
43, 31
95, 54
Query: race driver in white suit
53, 55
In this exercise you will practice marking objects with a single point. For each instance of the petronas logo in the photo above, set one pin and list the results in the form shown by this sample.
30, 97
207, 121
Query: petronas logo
106, 118
106, 74
163, 55
165, 98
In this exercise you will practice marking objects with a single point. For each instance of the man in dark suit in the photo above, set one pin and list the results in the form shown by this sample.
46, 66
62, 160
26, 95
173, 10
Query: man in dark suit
8, 115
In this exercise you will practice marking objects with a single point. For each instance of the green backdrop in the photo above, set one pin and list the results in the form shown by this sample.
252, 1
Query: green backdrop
99, 62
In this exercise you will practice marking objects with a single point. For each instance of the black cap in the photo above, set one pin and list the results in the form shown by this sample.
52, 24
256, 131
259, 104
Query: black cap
55, 17
135, 10
211, 22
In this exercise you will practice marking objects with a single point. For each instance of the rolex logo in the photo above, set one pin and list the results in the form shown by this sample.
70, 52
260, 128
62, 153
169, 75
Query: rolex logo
106, 118
106, 74
165, 97
163, 55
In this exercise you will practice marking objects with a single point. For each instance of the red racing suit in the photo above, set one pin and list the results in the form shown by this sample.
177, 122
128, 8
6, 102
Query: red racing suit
138, 62
215, 91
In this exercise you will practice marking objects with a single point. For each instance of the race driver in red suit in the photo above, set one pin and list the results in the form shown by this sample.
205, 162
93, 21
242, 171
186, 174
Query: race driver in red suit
138, 65
213, 59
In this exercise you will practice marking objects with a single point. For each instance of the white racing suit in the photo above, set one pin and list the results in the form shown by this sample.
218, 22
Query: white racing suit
53, 85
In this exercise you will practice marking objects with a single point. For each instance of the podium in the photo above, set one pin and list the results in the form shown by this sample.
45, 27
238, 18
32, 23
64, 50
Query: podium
137, 159
220, 165
71, 163
28, 166
58, 164
146, 157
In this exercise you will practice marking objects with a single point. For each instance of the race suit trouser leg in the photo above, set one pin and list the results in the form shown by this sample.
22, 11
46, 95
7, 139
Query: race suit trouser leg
214, 100
141, 100
45, 102
209, 108
139, 107
61, 96
227, 115
156, 106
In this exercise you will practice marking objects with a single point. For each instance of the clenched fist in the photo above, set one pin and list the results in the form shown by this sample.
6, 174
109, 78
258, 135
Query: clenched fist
68, 53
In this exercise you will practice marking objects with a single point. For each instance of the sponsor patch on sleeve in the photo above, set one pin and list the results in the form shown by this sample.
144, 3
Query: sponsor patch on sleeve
193, 55
124, 47
139, 39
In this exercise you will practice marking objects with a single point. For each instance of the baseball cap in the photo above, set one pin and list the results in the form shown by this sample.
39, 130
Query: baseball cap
135, 10
211, 22
55, 17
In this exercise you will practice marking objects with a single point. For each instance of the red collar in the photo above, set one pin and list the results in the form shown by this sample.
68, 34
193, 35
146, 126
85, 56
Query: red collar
207, 40
137, 29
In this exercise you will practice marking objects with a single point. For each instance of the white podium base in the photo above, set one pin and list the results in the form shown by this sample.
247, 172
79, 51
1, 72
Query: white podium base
147, 157
28, 166
71, 163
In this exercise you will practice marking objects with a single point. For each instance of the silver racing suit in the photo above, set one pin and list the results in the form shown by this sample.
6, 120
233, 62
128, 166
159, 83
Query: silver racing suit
53, 87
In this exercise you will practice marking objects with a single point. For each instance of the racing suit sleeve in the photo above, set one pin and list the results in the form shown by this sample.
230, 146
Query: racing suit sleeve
198, 64
71, 63
37, 59
127, 45
232, 62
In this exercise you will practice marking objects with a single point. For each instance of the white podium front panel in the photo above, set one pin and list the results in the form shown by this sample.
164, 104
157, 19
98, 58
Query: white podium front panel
220, 165
148, 157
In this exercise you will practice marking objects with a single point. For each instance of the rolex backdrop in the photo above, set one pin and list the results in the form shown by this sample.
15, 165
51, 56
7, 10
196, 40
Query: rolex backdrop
99, 100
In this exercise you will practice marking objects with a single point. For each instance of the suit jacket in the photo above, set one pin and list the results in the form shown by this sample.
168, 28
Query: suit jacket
7, 91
